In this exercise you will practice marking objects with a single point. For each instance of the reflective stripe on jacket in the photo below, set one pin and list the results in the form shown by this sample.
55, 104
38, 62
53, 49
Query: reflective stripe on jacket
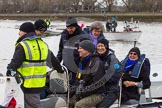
33, 69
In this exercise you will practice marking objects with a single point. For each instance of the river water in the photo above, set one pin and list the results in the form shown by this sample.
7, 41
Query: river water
149, 43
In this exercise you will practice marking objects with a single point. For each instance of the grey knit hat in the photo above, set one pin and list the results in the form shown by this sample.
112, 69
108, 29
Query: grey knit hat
71, 21
87, 45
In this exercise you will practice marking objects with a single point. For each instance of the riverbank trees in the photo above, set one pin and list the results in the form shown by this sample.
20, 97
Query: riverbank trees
79, 6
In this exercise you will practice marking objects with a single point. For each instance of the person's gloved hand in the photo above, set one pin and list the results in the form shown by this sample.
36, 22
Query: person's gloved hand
8, 73
62, 70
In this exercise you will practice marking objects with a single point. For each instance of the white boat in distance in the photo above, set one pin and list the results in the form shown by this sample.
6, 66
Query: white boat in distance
123, 36
131, 32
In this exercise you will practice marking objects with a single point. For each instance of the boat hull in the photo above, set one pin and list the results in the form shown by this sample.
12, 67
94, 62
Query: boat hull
123, 36
52, 33
156, 82
8, 84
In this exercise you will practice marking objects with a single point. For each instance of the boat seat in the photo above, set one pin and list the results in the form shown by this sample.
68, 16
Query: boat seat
142, 99
58, 82
53, 102
131, 102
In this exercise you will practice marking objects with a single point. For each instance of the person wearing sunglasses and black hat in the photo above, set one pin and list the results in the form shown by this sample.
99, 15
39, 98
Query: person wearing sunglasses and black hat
136, 75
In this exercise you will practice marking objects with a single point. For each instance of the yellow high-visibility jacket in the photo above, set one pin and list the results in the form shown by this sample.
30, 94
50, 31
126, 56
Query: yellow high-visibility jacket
33, 69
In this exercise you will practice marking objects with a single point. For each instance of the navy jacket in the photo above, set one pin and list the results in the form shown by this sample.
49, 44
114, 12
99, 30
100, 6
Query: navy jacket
92, 72
110, 59
64, 37
144, 78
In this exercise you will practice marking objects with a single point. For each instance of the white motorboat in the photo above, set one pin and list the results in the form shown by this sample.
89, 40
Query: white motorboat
156, 82
123, 36
58, 86
130, 32
60, 98
52, 33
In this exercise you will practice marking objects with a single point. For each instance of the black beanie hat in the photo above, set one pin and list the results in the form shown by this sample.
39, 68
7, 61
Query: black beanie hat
71, 22
105, 42
135, 49
27, 27
87, 45
40, 25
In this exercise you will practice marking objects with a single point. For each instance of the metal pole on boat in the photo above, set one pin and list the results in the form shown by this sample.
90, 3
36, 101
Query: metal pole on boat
135, 43
120, 93
138, 24
68, 85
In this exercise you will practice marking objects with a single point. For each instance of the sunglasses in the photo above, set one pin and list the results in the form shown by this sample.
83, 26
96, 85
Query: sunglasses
133, 53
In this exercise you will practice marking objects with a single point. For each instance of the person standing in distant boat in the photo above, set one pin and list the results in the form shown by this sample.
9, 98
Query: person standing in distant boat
113, 24
108, 25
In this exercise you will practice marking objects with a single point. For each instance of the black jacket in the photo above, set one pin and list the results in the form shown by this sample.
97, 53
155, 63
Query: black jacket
19, 57
92, 72
64, 37
132, 92
112, 84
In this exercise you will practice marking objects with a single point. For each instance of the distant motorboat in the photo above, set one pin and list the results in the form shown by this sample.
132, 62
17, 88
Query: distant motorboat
130, 32
123, 36
53, 31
